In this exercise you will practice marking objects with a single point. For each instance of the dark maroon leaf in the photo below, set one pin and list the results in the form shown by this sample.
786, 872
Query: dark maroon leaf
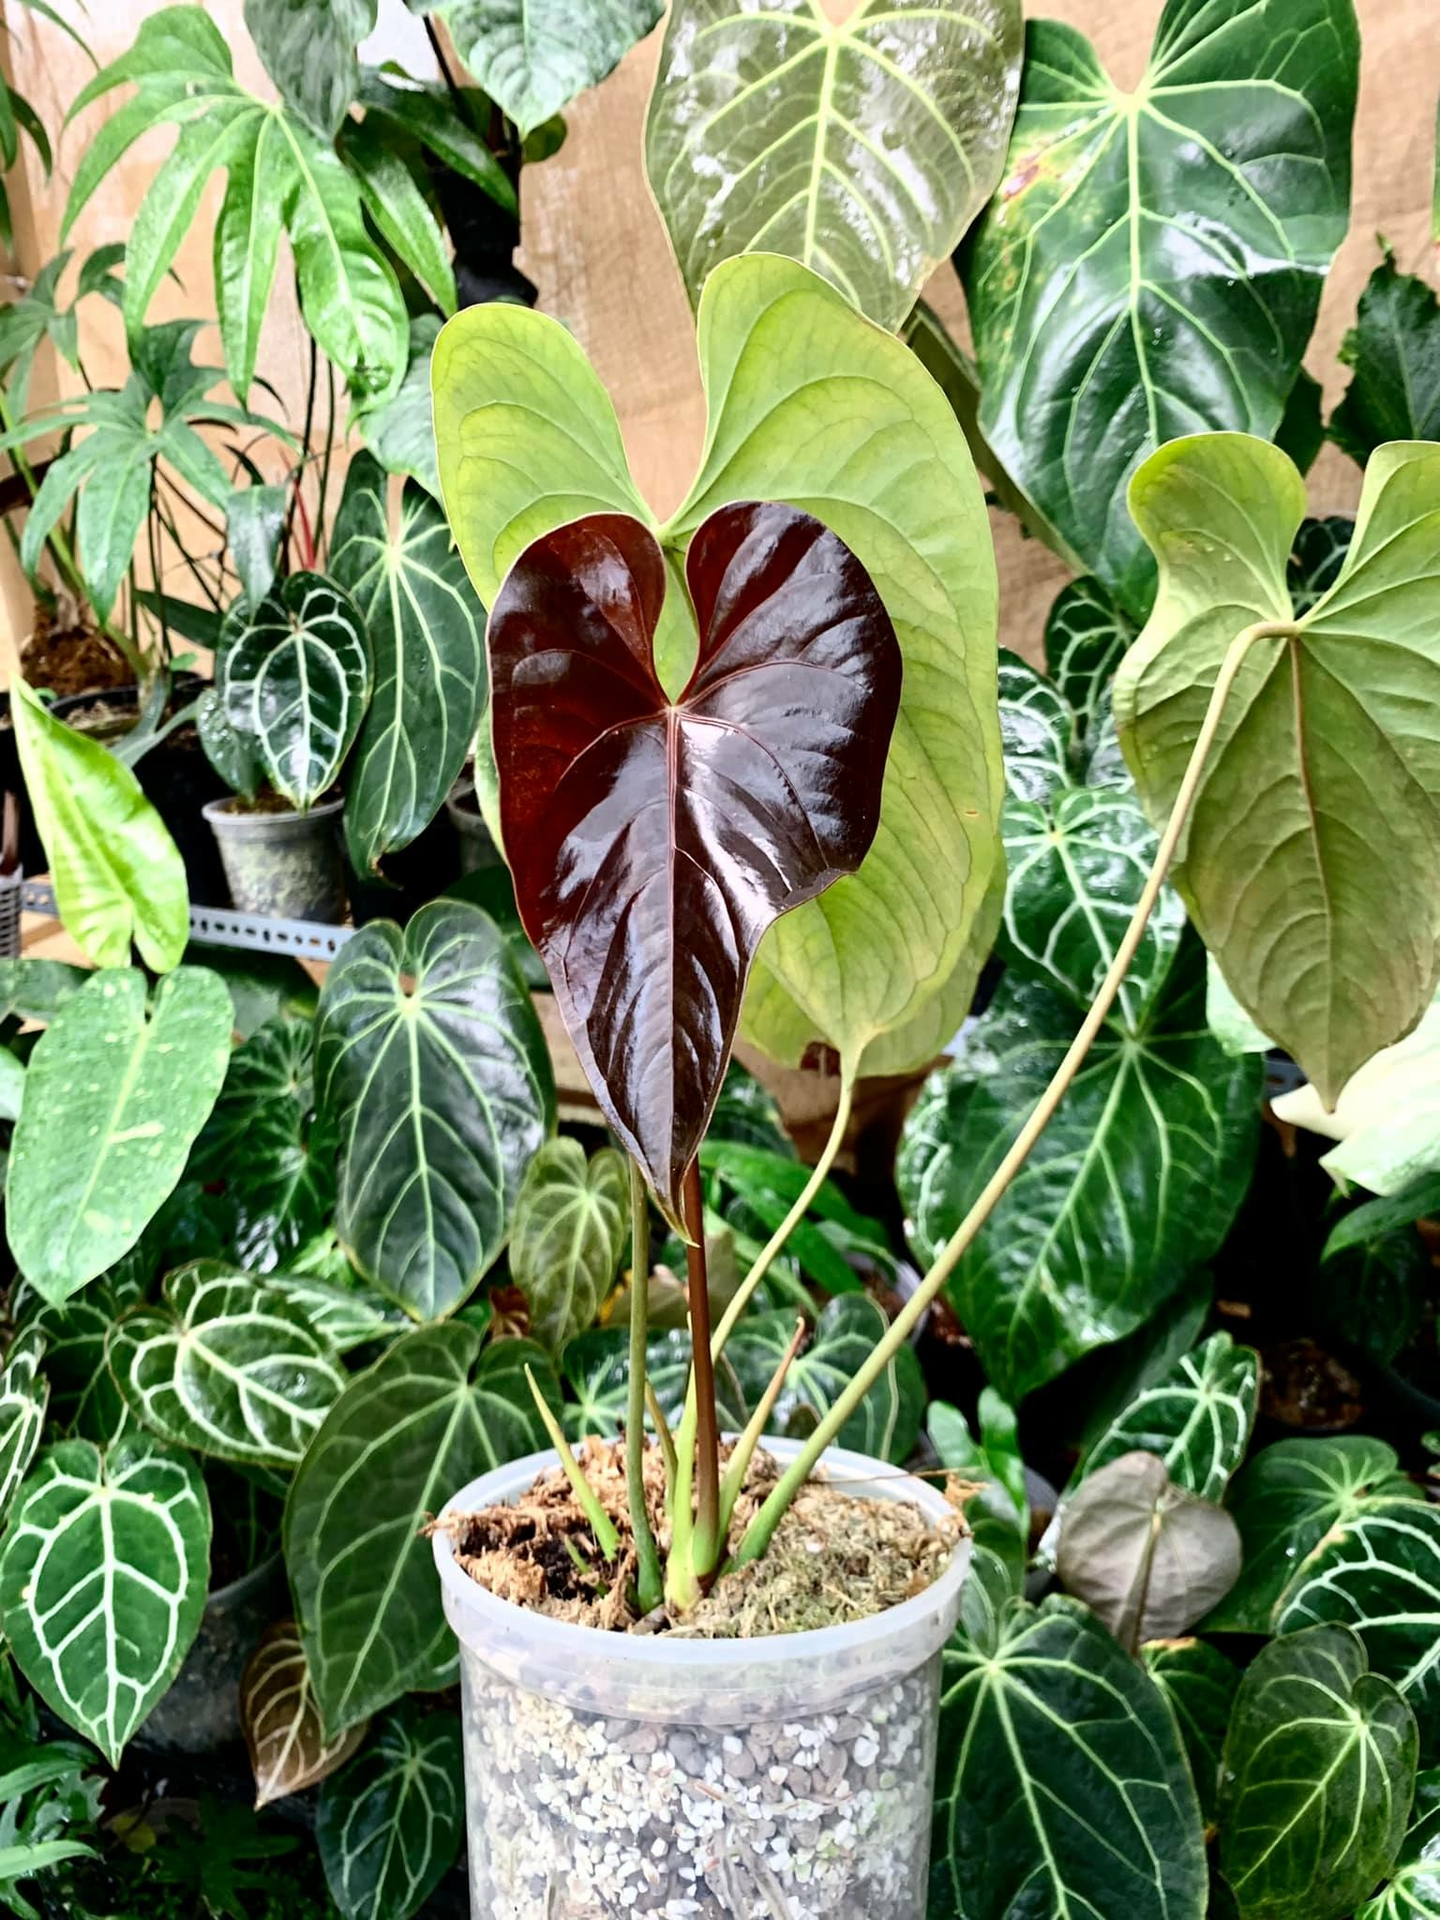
653, 843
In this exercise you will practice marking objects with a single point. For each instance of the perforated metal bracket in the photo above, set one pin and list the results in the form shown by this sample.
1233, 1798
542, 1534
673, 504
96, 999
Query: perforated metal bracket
222, 927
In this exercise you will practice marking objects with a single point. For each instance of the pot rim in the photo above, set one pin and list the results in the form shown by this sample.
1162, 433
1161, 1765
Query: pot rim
476, 1614
223, 809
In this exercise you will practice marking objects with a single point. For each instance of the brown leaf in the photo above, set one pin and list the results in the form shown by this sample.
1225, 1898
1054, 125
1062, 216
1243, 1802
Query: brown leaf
288, 1749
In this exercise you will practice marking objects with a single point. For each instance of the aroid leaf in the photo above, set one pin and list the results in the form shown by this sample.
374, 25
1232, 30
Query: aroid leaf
281, 1722
534, 56
1197, 1419
1320, 904
1316, 1779
1413, 1892
1200, 1683
1153, 262
24, 1393
431, 1066
572, 1225
308, 47
426, 632
293, 675
884, 1426
1062, 1783
1395, 351
115, 1094
596, 1369
762, 135
432, 1414
391, 1824
653, 843
227, 1367
103, 1576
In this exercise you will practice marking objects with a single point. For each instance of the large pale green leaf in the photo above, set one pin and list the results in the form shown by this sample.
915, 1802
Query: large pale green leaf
1134, 1182
534, 56
103, 1576
1153, 262
1395, 351
1200, 1683
864, 148
1414, 1891
432, 1414
293, 675
115, 1094
308, 47
1380, 1574
227, 1367
427, 640
1320, 905
24, 1395
431, 1064
572, 1224
1316, 1779
1197, 1419
391, 1823
809, 404
1062, 1785
1287, 1500
884, 1426
118, 875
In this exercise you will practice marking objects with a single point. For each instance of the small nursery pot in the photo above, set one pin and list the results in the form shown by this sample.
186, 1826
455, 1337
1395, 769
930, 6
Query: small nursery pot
286, 866
617, 1775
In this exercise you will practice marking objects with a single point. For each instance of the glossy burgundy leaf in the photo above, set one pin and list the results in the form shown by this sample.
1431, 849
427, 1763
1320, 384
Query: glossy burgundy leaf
652, 842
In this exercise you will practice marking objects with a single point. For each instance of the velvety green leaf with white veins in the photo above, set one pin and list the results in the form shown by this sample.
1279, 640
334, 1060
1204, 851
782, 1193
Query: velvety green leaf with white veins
596, 1371
1200, 1684
85, 1403
24, 1394
1197, 1419
1309, 860
115, 1094
432, 1066
1153, 262
227, 1366
103, 1577
433, 1413
1086, 635
863, 148
1413, 1892
572, 1224
884, 1426
390, 1825
1316, 1779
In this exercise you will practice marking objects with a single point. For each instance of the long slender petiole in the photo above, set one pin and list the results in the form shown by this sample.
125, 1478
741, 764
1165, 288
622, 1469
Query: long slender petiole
649, 1581
707, 1429
762, 1528
738, 1465
662, 1434
607, 1537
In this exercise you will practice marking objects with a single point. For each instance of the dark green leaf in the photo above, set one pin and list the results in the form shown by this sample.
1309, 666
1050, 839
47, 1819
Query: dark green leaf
1198, 1419
1414, 1892
1302, 427
391, 1823
749, 1114
572, 1225
24, 1394
428, 114
1086, 634
400, 430
999, 1514
399, 209
85, 1403
1373, 1282
1317, 557
1395, 351
884, 1426
1200, 1685
596, 1369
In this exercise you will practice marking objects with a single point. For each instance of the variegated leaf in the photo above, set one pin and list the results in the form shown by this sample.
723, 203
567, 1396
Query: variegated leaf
281, 1722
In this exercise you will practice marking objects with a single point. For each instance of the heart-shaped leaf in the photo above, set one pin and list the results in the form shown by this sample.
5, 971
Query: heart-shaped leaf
1200, 1684
1086, 635
653, 843
1134, 1182
1380, 1574
390, 1825
1197, 1419
808, 404
344, 1312
884, 1426
431, 1065
433, 1413
293, 675
85, 1403
572, 1224
596, 1369
761, 134
24, 1394
534, 56
281, 1722
1146, 1556
103, 1576
1395, 351
115, 1094
426, 632
1153, 262
1414, 1889
1062, 1782
226, 1366
1323, 913
1316, 1779
118, 875
1287, 1500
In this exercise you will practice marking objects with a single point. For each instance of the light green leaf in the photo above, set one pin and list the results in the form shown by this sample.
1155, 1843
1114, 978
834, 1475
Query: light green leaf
118, 875
253, 525
1134, 1183
1322, 912
293, 675
400, 431
1395, 351
37, 989
1414, 1891
115, 1095
572, 1225
308, 47
427, 638
391, 1824
24, 1395
884, 1426
1227, 1019
1316, 1779
864, 149
1287, 1500
999, 1514
247, 242
103, 1576
429, 1416
534, 56
1153, 263
225, 1366
1062, 1782
431, 1063
1197, 1420
1200, 1683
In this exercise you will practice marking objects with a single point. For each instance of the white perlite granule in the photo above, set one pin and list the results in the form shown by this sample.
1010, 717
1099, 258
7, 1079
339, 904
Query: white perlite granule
580, 1816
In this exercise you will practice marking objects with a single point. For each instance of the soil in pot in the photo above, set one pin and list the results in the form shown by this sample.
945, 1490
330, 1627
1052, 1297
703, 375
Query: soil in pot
65, 656
279, 863
781, 1764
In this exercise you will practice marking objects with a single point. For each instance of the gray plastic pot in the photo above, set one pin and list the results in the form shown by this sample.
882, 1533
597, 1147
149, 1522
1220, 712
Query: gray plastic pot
286, 866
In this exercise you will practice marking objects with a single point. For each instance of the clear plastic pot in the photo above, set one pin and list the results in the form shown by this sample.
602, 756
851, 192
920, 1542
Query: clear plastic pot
618, 1775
